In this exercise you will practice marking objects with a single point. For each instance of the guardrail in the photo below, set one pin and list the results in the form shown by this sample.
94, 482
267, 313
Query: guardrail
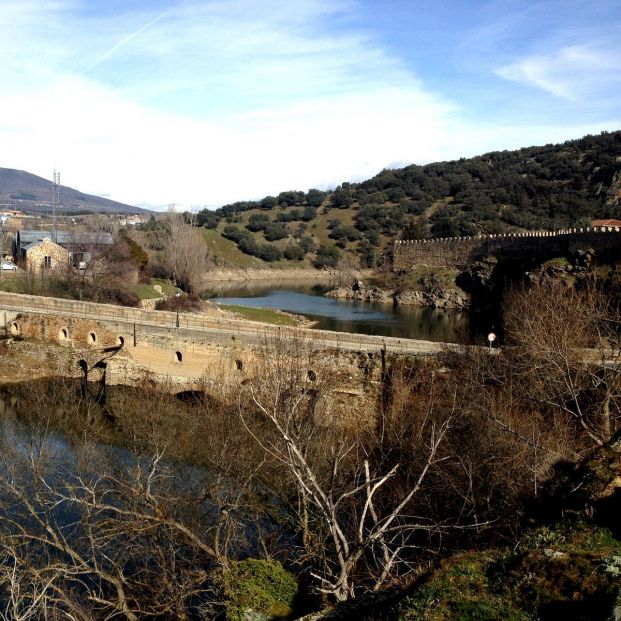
200, 328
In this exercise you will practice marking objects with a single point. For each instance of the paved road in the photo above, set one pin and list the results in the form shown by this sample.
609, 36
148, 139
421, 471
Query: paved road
207, 329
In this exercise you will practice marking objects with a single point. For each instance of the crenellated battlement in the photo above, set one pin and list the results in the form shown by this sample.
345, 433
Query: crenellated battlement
457, 252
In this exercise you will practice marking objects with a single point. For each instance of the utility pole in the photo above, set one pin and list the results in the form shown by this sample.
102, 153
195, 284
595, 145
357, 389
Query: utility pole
55, 203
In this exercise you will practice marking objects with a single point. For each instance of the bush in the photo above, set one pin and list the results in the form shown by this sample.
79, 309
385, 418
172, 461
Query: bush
275, 231
268, 252
258, 222
263, 587
307, 243
186, 303
326, 257
294, 252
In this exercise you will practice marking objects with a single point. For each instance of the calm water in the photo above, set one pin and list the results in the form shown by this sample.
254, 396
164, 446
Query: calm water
344, 316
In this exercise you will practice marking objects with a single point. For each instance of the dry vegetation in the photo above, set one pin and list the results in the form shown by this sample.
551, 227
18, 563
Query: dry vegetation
459, 449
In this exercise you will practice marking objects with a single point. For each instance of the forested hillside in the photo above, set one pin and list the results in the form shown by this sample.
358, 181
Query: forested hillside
546, 187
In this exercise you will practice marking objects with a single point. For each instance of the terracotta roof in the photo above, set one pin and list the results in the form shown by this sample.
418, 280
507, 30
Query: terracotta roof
608, 222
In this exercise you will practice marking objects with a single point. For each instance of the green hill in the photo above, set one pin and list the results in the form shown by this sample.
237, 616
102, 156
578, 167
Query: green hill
546, 187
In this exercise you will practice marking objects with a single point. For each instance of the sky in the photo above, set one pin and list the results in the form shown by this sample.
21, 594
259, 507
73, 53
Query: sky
204, 102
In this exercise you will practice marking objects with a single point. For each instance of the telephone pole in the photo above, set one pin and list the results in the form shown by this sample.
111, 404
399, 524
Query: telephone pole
55, 202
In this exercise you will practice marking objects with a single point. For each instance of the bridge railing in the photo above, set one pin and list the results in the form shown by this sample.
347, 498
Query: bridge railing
199, 328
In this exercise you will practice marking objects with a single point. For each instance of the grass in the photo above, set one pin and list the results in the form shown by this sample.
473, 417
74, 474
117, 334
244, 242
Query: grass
144, 292
167, 287
568, 571
228, 251
12, 282
265, 315
147, 291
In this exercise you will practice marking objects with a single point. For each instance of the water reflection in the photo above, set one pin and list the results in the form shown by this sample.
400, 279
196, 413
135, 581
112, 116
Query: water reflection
345, 316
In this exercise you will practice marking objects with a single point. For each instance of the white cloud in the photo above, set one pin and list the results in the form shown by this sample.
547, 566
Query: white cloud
209, 102
574, 73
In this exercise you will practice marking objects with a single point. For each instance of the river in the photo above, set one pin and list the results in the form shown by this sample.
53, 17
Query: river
307, 298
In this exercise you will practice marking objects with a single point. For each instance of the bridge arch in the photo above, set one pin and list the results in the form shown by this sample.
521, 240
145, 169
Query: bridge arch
178, 357
120, 340
15, 329
63, 334
92, 338
240, 365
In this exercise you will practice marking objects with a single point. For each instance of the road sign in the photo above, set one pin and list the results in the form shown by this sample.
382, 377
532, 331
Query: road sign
491, 337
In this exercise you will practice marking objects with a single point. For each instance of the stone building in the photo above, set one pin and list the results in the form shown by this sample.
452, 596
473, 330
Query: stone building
81, 247
44, 255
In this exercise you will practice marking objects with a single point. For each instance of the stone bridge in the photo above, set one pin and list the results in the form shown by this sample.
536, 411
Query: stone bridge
139, 345
458, 252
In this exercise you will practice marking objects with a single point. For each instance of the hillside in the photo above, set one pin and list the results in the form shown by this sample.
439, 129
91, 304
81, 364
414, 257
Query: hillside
546, 187
33, 194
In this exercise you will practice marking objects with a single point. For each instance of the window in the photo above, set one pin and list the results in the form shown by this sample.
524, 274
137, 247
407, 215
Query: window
47, 262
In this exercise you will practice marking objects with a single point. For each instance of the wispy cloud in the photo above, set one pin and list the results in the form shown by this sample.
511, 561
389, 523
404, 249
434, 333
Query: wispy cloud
126, 39
574, 72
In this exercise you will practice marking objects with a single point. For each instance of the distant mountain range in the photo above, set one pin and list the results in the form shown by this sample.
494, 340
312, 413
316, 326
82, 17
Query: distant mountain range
33, 194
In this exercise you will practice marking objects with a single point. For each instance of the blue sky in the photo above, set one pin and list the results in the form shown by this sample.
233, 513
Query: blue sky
198, 102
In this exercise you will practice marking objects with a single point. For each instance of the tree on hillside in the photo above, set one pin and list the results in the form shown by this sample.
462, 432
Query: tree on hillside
326, 256
185, 252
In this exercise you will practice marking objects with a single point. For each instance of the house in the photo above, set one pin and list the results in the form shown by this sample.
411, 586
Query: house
607, 223
130, 221
80, 246
44, 255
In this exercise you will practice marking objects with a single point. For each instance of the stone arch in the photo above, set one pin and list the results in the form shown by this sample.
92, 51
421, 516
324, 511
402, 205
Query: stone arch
63, 334
240, 365
15, 329
178, 357
311, 375
120, 340
92, 338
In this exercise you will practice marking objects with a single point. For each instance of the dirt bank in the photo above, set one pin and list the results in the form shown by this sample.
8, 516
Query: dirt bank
304, 273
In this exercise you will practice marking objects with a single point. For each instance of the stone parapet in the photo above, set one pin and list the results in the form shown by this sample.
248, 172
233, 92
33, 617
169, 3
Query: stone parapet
457, 252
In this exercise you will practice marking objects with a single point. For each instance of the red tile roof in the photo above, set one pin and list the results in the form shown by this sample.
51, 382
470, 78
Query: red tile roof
606, 223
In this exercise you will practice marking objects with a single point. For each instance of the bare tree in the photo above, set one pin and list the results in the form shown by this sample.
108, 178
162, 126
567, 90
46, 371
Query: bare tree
354, 529
565, 344
185, 252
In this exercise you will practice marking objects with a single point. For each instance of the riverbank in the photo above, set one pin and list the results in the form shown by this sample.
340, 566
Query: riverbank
219, 275
427, 293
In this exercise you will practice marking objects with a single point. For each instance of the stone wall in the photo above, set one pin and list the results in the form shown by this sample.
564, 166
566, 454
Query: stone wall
35, 256
458, 252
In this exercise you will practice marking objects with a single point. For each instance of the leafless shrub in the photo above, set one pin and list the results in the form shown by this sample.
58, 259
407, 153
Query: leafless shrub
185, 252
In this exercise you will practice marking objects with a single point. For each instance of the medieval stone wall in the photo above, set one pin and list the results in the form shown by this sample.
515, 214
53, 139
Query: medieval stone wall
458, 252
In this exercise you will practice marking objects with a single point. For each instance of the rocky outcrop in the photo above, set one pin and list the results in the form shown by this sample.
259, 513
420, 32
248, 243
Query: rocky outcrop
430, 295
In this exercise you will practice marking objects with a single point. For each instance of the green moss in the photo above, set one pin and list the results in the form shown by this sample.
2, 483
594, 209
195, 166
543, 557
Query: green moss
258, 586
569, 571
461, 590
556, 262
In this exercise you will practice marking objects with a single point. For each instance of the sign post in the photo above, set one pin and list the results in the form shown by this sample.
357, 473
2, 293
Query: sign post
491, 337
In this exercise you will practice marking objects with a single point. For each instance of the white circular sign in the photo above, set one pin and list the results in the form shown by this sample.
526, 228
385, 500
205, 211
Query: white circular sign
491, 337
